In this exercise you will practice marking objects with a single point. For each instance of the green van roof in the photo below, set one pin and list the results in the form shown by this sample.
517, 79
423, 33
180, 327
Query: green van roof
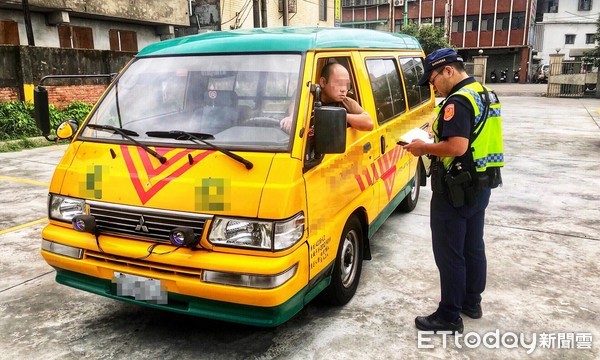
280, 39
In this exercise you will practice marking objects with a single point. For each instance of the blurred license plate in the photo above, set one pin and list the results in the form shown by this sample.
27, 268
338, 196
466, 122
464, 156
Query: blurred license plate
140, 288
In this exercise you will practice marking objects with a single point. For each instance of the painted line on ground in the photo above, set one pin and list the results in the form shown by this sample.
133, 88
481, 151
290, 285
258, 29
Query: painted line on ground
26, 181
22, 226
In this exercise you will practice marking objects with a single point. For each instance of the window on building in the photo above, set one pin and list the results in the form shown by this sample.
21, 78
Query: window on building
502, 21
569, 39
123, 40
548, 6
590, 38
585, 5
9, 32
518, 21
438, 22
458, 25
484, 24
75, 37
322, 10
472, 23
398, 26
388, 92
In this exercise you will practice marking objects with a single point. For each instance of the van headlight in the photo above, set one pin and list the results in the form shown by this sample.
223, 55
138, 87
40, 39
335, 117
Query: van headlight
64, 208
265, 235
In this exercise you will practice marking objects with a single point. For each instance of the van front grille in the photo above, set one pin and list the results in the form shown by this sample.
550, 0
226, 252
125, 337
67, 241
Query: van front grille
143, 223
134, 265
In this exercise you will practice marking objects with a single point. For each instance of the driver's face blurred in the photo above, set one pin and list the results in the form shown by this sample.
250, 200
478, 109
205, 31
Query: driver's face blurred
336, 88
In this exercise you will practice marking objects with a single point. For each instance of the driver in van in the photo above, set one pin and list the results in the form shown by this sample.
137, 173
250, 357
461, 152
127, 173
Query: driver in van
334, 82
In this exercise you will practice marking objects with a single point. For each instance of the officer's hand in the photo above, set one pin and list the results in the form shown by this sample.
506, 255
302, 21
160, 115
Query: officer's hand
416, 147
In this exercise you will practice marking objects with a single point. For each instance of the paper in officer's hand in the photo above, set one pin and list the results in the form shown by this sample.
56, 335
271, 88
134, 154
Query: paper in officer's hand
414, 134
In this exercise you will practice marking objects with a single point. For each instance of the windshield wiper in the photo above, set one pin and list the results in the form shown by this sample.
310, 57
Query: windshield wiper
127, 134
198, 137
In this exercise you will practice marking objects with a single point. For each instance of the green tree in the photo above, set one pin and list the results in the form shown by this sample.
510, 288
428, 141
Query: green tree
593, 56
430, 37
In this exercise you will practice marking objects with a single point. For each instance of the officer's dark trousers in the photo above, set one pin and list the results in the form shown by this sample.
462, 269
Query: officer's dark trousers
459, 251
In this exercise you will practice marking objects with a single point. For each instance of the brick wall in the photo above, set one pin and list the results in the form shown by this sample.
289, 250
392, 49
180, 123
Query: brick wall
61, 96
9, 94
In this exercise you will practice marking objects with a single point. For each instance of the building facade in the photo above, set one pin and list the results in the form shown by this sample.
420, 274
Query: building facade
215, 15
86, 24
501, 29
567, 27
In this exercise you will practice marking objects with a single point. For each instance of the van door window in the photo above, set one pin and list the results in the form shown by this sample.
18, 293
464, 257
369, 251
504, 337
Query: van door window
388, 91
311, 157
412, 69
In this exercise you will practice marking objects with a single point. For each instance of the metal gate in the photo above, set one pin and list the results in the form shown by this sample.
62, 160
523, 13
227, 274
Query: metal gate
571, 79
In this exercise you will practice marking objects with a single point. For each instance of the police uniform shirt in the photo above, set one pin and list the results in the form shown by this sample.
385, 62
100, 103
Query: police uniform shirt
457, 114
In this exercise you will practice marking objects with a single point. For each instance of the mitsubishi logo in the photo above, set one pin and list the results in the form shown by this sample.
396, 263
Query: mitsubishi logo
140, 226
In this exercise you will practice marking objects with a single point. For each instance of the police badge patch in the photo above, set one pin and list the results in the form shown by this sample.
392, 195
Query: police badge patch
449, 112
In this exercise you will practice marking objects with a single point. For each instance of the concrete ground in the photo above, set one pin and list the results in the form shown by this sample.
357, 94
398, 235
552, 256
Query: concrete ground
543, 246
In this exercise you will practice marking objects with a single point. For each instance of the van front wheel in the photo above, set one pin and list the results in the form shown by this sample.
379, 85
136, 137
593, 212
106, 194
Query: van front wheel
348, 265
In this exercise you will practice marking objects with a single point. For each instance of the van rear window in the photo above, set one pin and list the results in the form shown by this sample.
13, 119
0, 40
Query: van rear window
412, 69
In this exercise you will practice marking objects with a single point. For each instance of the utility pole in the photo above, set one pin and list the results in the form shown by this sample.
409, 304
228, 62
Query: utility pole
256, 13
263, 12
28, 27
405, 12
286, 15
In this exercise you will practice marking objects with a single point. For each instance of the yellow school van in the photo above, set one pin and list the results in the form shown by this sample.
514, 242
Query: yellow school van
182, 191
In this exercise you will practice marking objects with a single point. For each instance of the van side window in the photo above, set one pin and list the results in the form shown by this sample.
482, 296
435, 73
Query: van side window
412, 68
388, 91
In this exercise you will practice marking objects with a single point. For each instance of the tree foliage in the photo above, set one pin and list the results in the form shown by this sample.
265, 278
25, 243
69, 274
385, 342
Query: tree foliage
17, 121
593, 56
430, 37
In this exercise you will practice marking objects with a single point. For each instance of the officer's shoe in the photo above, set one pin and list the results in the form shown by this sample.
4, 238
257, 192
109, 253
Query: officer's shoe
474, 312
434, 322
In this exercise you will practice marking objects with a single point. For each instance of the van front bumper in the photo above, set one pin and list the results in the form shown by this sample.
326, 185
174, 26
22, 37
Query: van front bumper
181, 275
189, 305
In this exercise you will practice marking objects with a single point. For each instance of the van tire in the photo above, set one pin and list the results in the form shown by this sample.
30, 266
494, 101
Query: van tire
410, 201
348, 265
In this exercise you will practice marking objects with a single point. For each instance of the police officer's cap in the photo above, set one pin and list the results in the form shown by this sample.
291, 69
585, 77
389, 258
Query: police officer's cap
436, 59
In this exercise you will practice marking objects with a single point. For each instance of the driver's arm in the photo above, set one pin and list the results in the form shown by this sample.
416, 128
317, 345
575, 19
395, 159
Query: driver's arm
356, 116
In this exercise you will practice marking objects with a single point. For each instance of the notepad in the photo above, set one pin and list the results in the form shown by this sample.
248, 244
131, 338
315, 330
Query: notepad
416, 133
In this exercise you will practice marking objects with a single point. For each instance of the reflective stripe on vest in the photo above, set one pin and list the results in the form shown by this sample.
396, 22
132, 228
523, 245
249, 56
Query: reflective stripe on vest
488, 147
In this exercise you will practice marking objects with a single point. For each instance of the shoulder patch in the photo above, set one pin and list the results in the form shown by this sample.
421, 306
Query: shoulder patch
449, 112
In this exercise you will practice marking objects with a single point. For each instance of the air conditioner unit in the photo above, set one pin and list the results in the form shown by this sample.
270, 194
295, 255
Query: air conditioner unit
398, 2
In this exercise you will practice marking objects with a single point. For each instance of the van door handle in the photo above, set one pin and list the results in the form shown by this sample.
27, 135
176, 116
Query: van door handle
366, 147
382, 145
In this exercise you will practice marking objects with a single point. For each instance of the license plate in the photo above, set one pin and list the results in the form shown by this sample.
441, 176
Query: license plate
139, 287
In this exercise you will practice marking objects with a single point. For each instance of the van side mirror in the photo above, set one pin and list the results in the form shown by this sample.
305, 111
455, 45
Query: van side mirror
41, 110
330, 130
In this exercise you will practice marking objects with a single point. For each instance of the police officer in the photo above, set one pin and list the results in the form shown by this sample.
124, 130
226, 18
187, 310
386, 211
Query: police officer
467, 155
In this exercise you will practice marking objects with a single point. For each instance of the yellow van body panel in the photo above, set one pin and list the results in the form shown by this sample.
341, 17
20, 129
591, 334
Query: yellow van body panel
209, 183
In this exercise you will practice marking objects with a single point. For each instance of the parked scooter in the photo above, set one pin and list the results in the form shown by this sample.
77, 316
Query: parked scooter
493, 76
503, 75
517, 75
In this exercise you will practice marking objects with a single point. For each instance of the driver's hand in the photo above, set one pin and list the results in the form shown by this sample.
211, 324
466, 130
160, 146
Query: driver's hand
286, 124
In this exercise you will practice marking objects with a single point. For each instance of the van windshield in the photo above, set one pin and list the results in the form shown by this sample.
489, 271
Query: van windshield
238, 99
